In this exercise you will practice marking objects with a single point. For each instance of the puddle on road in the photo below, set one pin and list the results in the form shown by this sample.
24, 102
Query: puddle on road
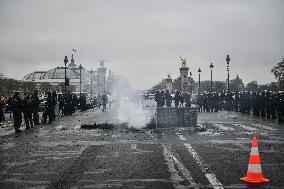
263, 126
245, 127
60, 127
223, 127
209, 132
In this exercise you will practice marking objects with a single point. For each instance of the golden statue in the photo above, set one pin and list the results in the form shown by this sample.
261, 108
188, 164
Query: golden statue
169, 76
183, 62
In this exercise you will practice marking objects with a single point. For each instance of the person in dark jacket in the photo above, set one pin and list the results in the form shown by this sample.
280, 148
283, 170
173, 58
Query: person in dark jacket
187, 99
280, 107
168, 98
35, 106
28, 111
2, 106
158, 98
177, 98
17, 109
104, 99
48, 112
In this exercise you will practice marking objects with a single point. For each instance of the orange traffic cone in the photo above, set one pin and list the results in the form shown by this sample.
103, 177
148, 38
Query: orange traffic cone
254, 173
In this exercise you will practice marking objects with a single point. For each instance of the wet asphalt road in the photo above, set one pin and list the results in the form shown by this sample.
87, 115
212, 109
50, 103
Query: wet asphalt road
61, 155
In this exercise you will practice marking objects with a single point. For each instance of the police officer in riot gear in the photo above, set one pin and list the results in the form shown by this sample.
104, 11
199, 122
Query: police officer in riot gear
28, 111
35, 107
168, 98
17, 109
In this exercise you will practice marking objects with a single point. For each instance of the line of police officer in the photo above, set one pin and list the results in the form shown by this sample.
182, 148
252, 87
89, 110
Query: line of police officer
29, 106
267, 104
165, 98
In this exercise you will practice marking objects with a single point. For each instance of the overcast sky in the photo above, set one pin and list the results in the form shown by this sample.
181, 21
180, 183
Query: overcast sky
143, 39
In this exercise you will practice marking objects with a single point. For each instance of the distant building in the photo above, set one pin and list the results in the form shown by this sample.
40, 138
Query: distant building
220, 86
183, 83
236, 84
92, 81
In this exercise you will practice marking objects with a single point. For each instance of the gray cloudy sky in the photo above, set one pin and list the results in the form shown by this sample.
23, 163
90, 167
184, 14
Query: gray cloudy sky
143, 39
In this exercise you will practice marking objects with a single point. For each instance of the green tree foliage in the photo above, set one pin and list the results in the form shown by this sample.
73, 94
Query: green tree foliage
273, 86
278, 72
252, 86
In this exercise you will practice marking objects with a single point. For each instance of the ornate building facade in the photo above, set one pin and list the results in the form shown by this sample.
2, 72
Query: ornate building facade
92, 82
183, 83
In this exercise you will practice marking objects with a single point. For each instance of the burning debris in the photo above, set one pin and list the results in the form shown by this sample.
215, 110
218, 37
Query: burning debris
123, 126
200, 128
107, 126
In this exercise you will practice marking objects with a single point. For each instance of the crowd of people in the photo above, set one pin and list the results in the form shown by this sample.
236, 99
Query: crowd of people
28, 107
165, 99
267, 104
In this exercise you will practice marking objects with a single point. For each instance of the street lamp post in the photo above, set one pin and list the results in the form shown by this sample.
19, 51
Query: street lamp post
91, 81
190, 74
65, 63
228, 69
80, 67
199, 71
211, 83
104, 84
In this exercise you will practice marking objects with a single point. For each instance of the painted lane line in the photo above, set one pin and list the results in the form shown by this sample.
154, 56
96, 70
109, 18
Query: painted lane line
204, 168
245, 127
210, 176
151, 135
227, 122
263, 126
171, 160
223, 127
181, 137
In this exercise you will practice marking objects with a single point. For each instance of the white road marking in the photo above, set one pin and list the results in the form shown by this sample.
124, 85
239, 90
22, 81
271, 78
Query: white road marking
181, 137
222, 127
150, 134
245, 127
204, 168
171, 159
263, 126
134, 147
227, 122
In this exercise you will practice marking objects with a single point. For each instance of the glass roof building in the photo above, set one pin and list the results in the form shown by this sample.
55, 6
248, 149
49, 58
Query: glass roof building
56, 77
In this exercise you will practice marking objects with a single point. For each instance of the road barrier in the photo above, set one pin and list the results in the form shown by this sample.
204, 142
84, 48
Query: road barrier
176, 117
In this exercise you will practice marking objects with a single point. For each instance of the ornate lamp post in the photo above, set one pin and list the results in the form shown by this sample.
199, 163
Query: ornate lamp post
211, 83
104, 84
228, 69
190, 74
91, 80
65, 63
80, 67
199, 71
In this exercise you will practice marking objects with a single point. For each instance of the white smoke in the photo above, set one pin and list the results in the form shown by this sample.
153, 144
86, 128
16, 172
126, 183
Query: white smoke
133, 113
